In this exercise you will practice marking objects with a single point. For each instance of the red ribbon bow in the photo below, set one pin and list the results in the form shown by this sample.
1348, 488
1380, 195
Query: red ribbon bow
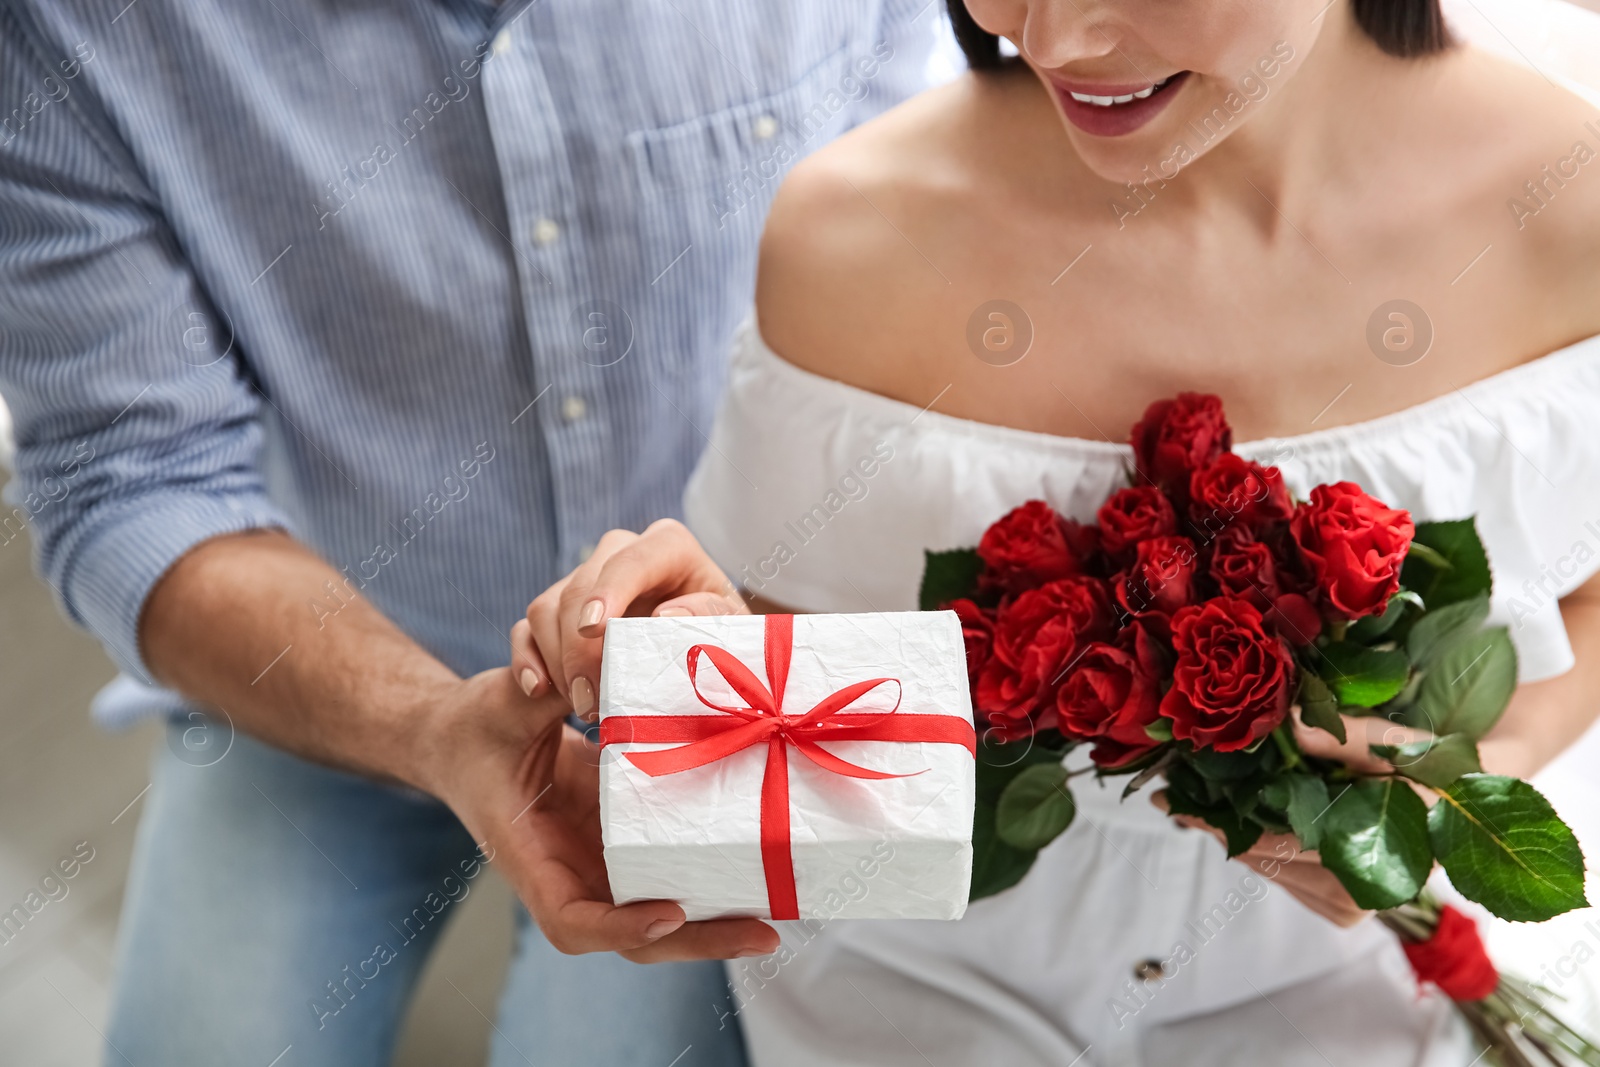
705, 739
1454, 958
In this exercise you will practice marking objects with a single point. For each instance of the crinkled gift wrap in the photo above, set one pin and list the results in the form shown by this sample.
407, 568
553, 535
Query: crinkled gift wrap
895, 848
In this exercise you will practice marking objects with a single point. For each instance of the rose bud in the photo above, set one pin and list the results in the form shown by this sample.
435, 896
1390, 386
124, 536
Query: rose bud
1245, 567
1232, 490
1161, 577
1179, 436
1133, 515
1109, 697
1029, 546
1355, 546
1036, 637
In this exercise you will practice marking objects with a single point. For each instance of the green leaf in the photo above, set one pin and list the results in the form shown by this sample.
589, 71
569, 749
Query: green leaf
948, 576
1160, 730
1451, 564
1363, 677
1440, 628
1035, 808
1318, 707
1306, 805
1225, 766
1375, 841
1367, 630
1468, 687
998, 762
1429, 556
1504, 847
1434, 761
1240, 833
996, 866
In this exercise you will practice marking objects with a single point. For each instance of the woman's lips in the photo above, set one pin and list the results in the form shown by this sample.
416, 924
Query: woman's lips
1115, 110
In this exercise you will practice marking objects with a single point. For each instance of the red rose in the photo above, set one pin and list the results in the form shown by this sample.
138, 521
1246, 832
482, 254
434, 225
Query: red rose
1036, 638
977, 632
1179, 436
1109, 698
1161, 577
1232, 681
1453, 958
1133, 515
1030, 546
1355, 546
1244, 567
1232, 489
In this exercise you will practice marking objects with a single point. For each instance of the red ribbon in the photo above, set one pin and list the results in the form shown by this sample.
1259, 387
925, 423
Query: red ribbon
704, 739
1454, 958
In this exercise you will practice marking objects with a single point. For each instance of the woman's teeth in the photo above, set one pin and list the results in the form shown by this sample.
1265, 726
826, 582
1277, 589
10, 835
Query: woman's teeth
1112, 101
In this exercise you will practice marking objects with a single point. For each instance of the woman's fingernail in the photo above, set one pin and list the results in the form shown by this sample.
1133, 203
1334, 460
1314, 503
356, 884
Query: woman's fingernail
528, 679
753, 952
593, 612
582, 697
671, 613
661, 928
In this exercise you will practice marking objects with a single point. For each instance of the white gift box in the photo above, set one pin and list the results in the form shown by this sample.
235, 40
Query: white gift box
860, 848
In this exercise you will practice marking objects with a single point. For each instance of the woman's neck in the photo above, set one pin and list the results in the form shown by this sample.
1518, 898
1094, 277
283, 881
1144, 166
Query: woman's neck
1333, 117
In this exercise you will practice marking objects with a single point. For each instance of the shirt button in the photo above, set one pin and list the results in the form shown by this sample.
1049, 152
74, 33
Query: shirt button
545, 231
574, 408
502, 43
1149, 970
766, 128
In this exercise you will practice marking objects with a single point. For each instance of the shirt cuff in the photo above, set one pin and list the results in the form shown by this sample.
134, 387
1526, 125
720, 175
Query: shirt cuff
114, 568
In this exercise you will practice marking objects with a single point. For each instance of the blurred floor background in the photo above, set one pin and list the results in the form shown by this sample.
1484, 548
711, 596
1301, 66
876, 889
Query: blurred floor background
63, 782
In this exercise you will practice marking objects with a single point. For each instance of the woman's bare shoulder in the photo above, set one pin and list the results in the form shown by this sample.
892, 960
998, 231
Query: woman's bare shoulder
853, 255
1537, 147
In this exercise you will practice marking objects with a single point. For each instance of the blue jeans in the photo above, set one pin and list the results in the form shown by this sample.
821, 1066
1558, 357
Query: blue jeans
276, 904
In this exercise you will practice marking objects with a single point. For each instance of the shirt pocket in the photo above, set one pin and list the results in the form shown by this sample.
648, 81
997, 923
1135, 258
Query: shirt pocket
705, 184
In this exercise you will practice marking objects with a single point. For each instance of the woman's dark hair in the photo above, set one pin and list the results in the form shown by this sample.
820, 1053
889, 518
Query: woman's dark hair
1400, 27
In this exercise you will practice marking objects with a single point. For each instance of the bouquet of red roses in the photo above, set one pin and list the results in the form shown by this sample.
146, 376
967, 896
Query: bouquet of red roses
1174, 634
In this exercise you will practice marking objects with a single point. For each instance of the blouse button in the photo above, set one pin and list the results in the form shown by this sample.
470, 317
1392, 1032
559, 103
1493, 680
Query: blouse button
766, 128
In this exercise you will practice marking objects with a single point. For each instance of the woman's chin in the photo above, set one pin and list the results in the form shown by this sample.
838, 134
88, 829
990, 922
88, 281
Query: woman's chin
1140, 159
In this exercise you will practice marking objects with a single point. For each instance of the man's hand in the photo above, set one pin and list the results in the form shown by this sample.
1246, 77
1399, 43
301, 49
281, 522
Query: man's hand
527, 788
662, 571
354, 692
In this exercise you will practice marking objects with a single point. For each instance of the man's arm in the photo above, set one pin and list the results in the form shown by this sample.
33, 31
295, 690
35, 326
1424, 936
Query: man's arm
228, 625
357, 693
165, 543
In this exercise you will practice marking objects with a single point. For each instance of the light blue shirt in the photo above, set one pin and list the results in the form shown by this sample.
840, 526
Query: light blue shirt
443, 288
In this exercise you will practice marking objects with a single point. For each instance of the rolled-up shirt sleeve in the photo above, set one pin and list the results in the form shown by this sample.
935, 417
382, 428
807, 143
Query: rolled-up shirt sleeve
136, 425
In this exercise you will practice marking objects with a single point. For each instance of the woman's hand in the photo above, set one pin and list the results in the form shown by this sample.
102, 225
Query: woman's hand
1279, 857
537, 797
1355, 751
662, 571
